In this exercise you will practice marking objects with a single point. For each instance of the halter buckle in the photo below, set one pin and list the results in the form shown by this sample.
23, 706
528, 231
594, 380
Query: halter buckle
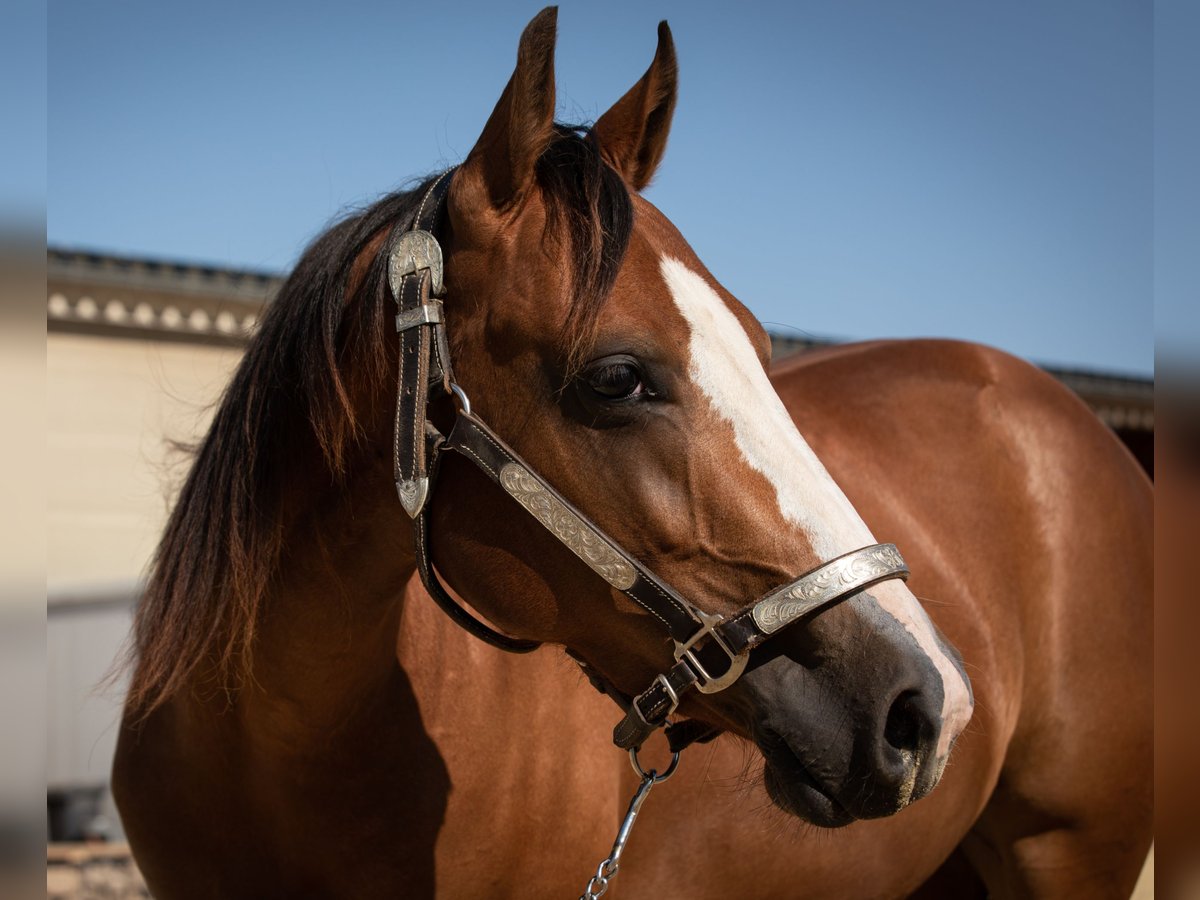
411, 252
707, 683
426, 314
669, 691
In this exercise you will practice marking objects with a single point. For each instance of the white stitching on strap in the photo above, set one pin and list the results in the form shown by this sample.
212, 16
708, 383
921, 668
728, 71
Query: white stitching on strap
479, 461
671, 601
429, 193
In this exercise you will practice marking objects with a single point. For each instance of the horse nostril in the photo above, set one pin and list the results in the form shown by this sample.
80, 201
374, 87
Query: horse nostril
903, 727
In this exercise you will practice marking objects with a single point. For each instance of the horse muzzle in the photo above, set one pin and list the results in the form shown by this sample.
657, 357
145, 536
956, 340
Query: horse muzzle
843, 740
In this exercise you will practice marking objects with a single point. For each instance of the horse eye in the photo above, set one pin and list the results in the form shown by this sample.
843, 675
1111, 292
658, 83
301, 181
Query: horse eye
615, 380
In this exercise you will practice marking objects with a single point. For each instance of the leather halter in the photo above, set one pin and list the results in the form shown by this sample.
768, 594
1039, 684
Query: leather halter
711, 651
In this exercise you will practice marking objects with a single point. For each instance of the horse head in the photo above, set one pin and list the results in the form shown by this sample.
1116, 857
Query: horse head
588, 335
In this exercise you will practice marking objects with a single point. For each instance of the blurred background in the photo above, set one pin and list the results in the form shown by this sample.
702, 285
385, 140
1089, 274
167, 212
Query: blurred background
851, 170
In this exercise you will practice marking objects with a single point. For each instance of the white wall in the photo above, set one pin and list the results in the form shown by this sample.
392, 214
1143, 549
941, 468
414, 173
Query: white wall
112, 406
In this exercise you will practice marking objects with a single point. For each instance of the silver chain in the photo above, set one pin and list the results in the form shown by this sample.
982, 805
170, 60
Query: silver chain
607, 870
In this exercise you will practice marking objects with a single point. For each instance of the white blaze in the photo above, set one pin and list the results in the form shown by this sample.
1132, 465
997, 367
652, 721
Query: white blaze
723, 365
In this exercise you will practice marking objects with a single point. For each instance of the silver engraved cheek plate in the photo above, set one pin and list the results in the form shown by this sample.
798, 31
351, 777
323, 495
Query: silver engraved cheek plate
579, 538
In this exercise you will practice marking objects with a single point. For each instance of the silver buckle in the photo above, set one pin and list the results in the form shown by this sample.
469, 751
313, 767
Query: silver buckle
706, 683
425, 314
411, 252
670, 691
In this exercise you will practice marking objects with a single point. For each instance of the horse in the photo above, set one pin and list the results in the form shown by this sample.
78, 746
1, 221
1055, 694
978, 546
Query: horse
302, 720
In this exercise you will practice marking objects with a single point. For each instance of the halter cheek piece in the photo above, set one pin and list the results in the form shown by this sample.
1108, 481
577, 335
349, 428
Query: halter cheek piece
711, 651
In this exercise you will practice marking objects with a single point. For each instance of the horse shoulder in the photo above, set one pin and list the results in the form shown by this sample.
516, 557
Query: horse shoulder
1028, 525
984, 467
536, 786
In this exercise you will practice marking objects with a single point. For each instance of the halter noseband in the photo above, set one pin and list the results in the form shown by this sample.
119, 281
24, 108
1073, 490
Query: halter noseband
711, 651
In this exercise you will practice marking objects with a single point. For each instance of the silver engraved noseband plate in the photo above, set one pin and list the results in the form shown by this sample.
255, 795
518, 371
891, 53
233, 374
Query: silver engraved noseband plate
835, 579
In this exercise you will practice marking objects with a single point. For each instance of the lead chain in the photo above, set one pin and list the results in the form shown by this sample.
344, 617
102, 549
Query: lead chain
608, 868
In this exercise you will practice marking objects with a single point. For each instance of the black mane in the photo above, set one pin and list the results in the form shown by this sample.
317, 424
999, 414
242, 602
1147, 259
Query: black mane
222, 542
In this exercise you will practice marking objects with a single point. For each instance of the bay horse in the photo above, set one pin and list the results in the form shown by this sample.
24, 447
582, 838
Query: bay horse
303, 721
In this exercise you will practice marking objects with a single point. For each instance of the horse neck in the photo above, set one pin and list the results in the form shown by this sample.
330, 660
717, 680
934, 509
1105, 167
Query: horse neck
326, 645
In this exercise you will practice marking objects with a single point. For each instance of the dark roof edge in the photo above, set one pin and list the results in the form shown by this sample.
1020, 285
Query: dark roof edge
82, 259
135, 316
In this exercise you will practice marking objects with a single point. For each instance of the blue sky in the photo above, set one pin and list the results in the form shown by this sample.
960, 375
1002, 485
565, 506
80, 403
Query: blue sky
23, 106
849, 169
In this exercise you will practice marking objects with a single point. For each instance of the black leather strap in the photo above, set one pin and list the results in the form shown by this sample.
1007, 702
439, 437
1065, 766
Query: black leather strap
424, 362
412, 396
649, 710
679, 734
415, 276
428, 217
450, 606
429, 213
472, 438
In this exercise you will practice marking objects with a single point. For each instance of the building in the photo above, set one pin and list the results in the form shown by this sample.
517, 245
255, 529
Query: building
136, 354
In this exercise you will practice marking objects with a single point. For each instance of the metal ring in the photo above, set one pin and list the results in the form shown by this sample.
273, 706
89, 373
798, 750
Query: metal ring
653, 773
464, 402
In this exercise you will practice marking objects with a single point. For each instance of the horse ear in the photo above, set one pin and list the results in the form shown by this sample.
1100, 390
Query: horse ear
522, 124
633, 134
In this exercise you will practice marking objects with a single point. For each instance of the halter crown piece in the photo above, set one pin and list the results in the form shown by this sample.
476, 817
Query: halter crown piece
711, 651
